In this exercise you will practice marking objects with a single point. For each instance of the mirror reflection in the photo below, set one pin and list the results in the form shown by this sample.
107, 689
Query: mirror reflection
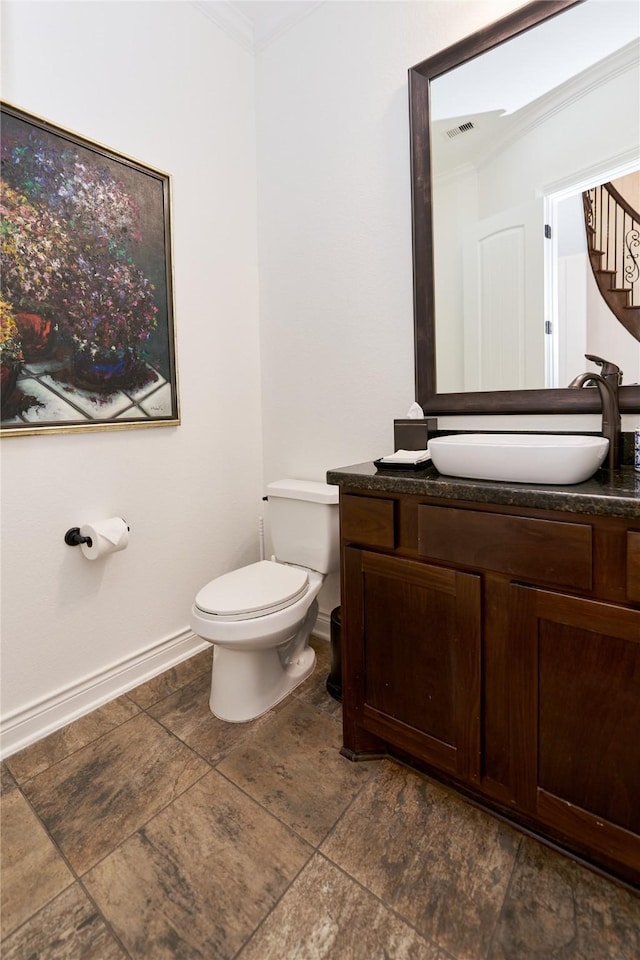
535, 171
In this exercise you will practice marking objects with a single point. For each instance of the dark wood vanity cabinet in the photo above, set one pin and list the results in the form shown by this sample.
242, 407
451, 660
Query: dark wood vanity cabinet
577, 725
416, 665
498, 648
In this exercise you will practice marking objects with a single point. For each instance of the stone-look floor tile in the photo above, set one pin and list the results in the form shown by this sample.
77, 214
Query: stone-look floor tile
68, 928
556, 909
314, 689
199, 877
292, 766
33, 872
99, 795
7, 783
438, 861
171, 680
325, 915
43, 754
187, 714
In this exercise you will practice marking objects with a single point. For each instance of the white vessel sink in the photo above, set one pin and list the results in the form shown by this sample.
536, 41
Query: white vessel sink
519, 457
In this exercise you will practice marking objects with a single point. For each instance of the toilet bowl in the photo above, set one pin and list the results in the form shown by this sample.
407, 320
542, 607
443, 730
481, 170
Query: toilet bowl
259, 656
259, 618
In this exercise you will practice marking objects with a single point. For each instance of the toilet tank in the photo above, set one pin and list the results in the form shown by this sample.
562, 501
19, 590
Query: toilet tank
304, 524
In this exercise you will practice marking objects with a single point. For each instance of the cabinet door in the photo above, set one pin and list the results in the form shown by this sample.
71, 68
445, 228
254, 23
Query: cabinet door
414, 656
576, 719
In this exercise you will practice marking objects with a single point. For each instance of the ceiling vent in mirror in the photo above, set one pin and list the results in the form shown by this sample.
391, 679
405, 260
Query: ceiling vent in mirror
462, 128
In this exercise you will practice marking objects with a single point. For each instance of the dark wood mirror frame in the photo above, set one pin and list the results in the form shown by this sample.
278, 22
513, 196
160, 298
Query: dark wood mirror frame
489, 402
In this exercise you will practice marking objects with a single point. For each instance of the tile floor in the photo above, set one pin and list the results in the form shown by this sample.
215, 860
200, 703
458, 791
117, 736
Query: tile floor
151, 829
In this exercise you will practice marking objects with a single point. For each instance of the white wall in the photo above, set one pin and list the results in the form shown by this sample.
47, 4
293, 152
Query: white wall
158, 82
334, 228
334, 225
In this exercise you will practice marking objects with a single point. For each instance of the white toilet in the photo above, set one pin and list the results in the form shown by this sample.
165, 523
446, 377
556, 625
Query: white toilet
259, 618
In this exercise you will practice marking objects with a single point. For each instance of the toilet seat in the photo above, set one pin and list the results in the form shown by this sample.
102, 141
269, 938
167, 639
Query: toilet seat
253, 591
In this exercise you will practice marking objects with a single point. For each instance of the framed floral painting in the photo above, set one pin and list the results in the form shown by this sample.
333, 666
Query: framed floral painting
87, 336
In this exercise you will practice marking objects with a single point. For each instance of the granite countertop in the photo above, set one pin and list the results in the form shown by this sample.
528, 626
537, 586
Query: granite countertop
616, 494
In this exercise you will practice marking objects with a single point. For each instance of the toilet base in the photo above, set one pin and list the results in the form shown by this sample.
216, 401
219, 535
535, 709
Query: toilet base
246, 684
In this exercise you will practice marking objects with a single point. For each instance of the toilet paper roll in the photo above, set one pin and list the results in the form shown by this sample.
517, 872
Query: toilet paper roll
107, 536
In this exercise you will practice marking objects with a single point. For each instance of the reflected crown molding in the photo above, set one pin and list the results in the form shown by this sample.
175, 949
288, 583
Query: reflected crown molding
497, 131
550, 104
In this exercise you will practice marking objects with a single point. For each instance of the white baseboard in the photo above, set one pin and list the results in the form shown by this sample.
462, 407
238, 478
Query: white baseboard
39, 719
322, 626
32, 723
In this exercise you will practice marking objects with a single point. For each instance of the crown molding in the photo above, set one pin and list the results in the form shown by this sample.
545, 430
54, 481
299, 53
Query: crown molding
226, 16
255, 34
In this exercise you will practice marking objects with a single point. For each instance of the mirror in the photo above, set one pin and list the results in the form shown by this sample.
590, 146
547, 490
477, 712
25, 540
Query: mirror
507, 135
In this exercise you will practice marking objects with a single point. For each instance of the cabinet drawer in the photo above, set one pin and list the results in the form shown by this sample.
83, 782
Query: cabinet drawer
368, 521
633, 566
545, 551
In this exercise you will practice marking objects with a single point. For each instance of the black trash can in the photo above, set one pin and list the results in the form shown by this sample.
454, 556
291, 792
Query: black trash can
334, 680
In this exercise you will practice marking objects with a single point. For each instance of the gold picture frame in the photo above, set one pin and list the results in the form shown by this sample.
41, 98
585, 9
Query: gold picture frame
87, 332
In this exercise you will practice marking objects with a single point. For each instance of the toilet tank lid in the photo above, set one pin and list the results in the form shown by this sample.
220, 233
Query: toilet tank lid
312, 490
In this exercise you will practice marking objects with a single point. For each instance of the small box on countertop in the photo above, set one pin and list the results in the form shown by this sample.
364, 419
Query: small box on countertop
413, 434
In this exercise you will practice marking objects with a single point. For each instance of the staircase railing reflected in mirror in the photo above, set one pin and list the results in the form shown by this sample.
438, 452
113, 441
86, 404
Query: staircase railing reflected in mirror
613, 241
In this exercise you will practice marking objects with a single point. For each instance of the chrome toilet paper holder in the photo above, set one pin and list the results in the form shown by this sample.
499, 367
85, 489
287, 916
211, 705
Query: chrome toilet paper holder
74, 538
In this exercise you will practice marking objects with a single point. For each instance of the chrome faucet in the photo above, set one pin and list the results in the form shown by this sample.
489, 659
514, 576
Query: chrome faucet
607, 383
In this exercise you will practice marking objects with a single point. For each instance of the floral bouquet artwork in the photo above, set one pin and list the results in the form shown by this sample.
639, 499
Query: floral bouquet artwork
86, 320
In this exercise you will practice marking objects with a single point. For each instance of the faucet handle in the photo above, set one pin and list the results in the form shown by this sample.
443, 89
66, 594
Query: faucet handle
609, 369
